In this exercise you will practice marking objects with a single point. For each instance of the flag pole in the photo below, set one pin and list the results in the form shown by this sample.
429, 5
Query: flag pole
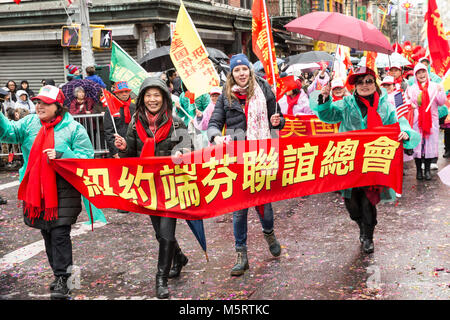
272, 69
112, 118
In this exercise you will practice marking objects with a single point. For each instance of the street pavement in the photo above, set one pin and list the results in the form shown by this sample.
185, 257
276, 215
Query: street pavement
321, 255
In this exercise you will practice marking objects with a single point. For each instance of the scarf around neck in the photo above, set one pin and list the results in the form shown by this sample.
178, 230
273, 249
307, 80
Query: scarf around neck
373, 118
38, 189
160, 133
126, 110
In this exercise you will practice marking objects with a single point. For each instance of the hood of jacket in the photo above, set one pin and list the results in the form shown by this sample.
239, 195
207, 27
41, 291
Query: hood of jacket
21, 92
154, 82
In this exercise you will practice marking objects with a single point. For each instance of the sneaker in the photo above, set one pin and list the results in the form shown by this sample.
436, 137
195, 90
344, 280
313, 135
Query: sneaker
274, 245
60, 290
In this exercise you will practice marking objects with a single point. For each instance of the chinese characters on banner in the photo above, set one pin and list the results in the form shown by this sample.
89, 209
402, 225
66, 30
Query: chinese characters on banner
241, 174
306, 125
437, 40
190, 57
262, 41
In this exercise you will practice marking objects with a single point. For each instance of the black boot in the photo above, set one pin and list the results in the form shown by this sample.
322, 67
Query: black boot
447, 154
419, 175
427, 169
166, 252
3, 201
60, 290
53, 284
179, 261
368, 246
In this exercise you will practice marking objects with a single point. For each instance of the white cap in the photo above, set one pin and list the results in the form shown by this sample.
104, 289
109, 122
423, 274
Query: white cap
337, 83
396, 65
217, 90
388, 80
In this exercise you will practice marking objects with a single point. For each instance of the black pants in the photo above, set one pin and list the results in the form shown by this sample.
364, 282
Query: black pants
58, 246
360, 208
164, 227
447, 139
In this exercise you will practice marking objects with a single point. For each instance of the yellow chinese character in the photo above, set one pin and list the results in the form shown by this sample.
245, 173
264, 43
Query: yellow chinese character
302, 159
319, 127
227, 180
379, 154
339, 159
95, 187
259, 169
293, 126
179, 188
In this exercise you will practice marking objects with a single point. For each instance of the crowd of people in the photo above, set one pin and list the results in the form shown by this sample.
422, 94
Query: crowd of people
145, 124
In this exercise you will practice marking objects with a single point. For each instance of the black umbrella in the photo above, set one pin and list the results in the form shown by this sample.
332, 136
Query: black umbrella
217, 54
159, 59
309, 57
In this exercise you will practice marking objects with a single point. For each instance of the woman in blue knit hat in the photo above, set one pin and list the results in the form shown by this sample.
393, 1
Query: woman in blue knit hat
244, 104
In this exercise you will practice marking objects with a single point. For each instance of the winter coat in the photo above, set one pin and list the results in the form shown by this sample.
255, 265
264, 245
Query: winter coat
71, 141
81, 108
121, 127
233, 116
27, 105
301, 107
178, 139
318, 82
431, 145
96, 79
202, 123
348, 113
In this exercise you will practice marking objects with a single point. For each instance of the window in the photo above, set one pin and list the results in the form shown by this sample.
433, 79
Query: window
288, 8
246, 4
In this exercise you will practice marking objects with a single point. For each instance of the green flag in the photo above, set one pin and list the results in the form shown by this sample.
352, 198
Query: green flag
125, 68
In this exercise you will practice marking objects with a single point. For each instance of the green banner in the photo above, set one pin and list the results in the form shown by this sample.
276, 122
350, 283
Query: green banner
125, 68
362, 13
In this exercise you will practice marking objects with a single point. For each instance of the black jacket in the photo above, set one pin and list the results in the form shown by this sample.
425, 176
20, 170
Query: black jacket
121, 127
178, 138
233, 116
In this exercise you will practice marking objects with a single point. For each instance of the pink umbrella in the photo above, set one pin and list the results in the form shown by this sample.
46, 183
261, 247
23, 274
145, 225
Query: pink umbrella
341, 29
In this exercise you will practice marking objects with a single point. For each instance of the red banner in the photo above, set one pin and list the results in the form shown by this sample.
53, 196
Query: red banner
262, 40
437, 40
306, 125
225, 178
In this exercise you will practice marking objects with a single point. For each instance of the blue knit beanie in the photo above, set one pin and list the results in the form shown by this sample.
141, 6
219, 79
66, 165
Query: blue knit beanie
237, 60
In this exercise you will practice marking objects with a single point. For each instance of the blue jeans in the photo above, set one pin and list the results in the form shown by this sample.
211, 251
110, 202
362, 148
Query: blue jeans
240, 224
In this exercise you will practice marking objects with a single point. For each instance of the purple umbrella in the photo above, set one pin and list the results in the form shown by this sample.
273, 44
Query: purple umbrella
91, 88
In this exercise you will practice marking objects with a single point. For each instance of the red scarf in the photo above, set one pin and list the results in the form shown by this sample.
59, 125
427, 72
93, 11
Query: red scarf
126, 110
149, 142
243, 97
424, 117
292, 101
336, 98
373, 118
38, 188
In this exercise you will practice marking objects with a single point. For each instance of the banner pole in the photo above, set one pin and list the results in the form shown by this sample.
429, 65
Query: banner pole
272, 69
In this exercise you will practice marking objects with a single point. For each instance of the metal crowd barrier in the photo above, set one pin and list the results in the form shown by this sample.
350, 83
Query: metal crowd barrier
94, 127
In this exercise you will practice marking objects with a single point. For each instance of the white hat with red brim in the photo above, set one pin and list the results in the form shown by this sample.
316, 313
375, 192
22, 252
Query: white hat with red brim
388, 80
337, 83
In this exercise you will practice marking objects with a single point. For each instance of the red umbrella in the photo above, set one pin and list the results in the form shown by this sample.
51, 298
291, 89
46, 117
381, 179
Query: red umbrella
341, 29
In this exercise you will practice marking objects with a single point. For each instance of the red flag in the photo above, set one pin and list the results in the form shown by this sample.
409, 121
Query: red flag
437, 40
17, 1
262, 41
112, 102
348, 85
70, 2
10, 156
284, 85
191, 96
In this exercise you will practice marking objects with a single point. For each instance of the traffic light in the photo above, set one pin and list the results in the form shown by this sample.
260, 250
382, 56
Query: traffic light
102, 38
71, 36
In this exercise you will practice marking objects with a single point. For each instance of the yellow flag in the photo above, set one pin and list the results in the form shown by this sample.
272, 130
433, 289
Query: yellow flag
190, 57
446, 81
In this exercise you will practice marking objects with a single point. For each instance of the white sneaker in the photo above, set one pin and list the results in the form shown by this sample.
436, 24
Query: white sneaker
399, 195
434, 166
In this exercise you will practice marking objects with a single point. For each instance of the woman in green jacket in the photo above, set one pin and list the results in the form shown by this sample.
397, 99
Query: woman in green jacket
50, 203
368, 107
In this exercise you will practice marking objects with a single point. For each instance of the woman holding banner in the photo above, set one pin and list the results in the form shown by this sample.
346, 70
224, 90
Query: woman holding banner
50, 203
247, 100
153, 132
426, 96
368, 107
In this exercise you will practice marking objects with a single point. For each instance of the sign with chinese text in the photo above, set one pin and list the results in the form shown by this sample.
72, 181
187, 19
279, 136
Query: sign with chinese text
242, 174
306, 125
190, 58
125, 68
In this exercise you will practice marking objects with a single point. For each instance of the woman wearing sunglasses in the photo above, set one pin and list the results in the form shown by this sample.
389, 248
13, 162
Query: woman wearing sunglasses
368, 107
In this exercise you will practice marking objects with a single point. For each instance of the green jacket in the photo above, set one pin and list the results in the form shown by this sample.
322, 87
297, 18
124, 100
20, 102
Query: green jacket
71, 138
347, 112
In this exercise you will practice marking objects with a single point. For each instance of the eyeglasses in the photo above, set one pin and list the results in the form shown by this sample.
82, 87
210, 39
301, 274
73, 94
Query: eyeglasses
367, 81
